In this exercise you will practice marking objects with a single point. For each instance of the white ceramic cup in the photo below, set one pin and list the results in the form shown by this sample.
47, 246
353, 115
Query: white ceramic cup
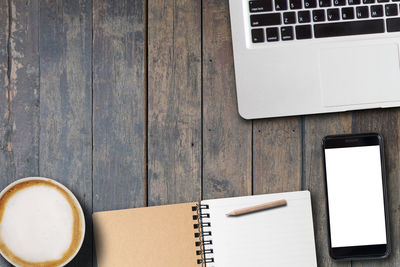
72, 197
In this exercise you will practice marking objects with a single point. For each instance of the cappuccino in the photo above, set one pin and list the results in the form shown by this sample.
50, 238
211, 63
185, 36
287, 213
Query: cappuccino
41, 223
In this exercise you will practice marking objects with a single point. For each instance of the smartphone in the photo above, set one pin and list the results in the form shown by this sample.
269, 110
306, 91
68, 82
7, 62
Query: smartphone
355, 185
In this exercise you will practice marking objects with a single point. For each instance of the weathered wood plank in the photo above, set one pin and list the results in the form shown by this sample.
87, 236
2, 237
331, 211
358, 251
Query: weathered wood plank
277, 155
227, 137
6, 162
386, 122
19, 83
65, 103
19, 91
119, 105
24, 87
174, 101
315, 128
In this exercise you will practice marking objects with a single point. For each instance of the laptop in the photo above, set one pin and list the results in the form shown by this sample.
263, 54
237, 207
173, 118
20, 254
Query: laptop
297, 57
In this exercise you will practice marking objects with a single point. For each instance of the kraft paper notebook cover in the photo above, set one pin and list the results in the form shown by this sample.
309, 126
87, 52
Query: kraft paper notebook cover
200, 234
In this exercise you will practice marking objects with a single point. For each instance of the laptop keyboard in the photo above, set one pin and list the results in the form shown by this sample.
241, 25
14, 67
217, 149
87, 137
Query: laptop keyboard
286, 20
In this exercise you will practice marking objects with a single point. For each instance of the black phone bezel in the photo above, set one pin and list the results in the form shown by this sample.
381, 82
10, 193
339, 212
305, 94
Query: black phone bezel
358, 252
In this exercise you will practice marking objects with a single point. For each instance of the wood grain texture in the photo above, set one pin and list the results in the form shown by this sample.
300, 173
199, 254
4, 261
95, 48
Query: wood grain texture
386, 122
119, 105
65, 103
227, 151
174, 101
19, 92
277, 155
7, 166
19, 72
317, 127
23, 94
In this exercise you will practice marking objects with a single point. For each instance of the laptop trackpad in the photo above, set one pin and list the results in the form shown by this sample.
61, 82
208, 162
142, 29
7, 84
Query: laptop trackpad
360, 74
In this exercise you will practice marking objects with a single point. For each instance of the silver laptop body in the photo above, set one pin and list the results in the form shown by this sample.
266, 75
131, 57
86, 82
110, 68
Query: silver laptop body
344, 56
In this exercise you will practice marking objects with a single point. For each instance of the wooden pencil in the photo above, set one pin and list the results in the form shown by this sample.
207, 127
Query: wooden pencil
259, 207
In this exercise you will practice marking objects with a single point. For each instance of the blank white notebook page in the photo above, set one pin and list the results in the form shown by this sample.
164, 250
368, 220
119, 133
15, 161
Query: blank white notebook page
276, 237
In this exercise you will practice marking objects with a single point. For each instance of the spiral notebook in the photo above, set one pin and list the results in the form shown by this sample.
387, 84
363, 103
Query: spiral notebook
200, 234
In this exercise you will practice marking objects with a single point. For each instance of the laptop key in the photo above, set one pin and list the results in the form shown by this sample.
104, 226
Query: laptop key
376, 11
260, 5
289, 17
272, 34
368, 1
339, 2
281, 5
310, 3
347, 13
323, 30
287, 33
318, 15
382, 1
354, 2
303, 32
391, 10
362, 12
333, 14
265, 19
257, 35
325, 3
393, 25
303, 16
295, 4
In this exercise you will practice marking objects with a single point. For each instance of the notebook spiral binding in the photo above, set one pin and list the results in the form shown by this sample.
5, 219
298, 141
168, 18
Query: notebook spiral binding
203, 235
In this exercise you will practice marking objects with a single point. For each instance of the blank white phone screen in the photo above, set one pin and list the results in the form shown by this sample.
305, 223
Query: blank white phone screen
355, 196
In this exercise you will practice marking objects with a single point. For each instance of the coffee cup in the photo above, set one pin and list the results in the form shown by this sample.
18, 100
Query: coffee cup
41, 223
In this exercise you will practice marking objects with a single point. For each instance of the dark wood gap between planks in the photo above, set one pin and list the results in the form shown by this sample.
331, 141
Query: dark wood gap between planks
202, 101
146, 92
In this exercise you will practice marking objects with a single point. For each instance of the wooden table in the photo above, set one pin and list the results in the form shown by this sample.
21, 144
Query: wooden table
133, 103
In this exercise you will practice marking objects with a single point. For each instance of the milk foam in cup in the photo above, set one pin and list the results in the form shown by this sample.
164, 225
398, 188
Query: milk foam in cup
41, 223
